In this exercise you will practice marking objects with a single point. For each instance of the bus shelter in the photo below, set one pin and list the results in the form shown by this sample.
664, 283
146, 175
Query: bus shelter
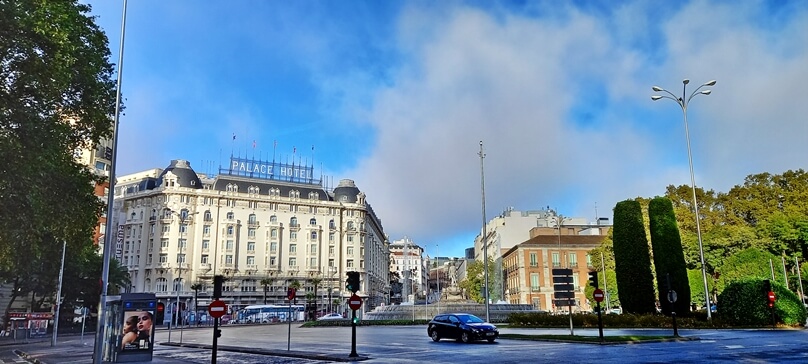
129, 328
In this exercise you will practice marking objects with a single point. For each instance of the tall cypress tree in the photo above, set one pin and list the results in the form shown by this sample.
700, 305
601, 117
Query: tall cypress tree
669, 259
632, 260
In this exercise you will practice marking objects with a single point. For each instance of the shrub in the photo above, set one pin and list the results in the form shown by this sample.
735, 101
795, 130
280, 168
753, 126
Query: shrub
745, 303
669, 259
632, 261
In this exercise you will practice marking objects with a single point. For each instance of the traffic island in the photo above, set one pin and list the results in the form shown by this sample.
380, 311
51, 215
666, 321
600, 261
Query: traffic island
607, 340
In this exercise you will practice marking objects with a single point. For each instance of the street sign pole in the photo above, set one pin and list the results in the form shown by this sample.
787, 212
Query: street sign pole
215, 340
353, 335
598, 296
355, 303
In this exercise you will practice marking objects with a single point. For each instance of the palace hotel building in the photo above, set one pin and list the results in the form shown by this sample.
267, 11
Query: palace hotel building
261, 224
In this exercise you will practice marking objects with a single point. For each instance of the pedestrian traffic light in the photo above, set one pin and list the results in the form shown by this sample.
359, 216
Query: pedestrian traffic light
356, 320
593, 278
218, 333
352, 283
159, 314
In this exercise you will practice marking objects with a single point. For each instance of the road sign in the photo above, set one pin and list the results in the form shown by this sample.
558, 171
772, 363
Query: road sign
564, 287
564, 279
355, 302
564, 294
598, 295
217, 308
672, 296
562, 272
564, 302
771, 297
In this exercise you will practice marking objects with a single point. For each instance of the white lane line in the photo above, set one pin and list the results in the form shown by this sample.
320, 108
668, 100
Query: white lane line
734, 346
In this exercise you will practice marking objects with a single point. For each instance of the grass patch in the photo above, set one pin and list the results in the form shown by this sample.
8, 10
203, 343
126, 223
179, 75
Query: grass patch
586, 339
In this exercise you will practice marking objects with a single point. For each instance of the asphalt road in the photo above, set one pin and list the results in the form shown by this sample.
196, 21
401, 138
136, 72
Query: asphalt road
410, 344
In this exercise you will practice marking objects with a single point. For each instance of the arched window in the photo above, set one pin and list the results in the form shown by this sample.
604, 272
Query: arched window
313, 221
230, 231
313, 236
230, 215
251, 219
331, 224
350, 225
177, 284
208, 217
147, 286
293, 221
273, 218
161, 285
184, 214
166, 213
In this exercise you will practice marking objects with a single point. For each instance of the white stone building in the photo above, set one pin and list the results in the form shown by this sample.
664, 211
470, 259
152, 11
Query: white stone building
260, 224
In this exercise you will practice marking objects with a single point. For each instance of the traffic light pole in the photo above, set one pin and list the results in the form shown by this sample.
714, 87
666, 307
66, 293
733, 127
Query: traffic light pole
215, 340
600, 323
353, 335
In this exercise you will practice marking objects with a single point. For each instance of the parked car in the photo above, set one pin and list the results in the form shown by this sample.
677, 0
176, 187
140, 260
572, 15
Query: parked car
461, 326
331, 316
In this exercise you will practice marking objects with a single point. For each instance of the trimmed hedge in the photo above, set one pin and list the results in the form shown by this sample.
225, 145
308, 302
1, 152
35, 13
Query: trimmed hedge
669, 258
632, 261
540, 320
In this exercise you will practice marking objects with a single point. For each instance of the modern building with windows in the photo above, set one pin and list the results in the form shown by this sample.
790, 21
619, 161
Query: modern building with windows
261, 224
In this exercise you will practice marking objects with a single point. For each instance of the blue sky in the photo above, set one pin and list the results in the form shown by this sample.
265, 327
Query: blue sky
397, 95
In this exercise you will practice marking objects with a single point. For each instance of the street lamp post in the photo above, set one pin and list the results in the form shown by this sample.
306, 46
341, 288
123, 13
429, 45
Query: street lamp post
683, 103
483, 237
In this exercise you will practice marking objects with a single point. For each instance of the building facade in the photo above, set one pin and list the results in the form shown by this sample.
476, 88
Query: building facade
528, 266
407, 259
260, 224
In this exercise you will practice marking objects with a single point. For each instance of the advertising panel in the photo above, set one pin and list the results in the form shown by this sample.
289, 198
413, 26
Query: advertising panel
138, 330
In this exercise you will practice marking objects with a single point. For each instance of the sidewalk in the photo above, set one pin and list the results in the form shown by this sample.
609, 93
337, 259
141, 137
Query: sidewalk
70, 350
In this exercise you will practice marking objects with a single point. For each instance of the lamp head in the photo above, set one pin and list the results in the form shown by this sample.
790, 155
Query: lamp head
657, 88
656, 97
706, 92
685, 81
711, 83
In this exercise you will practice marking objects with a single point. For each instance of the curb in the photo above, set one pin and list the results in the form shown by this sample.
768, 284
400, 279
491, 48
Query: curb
272, 352
673, 339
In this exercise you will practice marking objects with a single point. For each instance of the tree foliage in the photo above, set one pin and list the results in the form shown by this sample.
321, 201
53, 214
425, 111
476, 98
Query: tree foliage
56, 97
475, 278
745, 302
632, 259
669, 259
748, 263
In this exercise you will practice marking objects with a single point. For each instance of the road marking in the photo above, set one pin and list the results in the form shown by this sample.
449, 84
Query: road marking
734, 346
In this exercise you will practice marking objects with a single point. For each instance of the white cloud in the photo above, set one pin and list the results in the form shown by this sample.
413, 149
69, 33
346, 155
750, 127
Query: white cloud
513, 82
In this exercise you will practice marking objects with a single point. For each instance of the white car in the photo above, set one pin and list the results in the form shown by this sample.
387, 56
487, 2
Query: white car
331, 316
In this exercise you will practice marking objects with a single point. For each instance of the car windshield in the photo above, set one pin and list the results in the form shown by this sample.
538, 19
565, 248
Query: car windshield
470, 319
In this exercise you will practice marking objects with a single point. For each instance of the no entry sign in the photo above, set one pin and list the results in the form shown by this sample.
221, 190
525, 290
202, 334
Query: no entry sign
217, 308
598, 295
355, 302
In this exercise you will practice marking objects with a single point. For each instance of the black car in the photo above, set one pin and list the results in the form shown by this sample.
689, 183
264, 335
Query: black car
461, 326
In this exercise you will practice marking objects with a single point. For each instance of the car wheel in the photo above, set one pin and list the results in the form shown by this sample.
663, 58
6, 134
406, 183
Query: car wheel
435, 336
491, 341
465, 337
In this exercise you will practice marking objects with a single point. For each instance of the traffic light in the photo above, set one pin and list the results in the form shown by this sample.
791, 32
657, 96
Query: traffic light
218, 332
291, 293
217, 286
593, 279
159, 314
767, 285
356, 320
352, 283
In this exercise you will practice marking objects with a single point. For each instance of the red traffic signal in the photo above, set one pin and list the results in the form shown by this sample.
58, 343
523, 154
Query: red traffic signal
290, 293
772, 298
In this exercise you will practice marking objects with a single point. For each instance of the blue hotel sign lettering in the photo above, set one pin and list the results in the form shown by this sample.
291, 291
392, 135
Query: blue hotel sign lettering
271, 170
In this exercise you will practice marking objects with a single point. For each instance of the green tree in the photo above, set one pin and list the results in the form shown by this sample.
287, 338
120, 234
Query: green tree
57, 97
747, 264
266, 282
474, 281
635, 282
669, 259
